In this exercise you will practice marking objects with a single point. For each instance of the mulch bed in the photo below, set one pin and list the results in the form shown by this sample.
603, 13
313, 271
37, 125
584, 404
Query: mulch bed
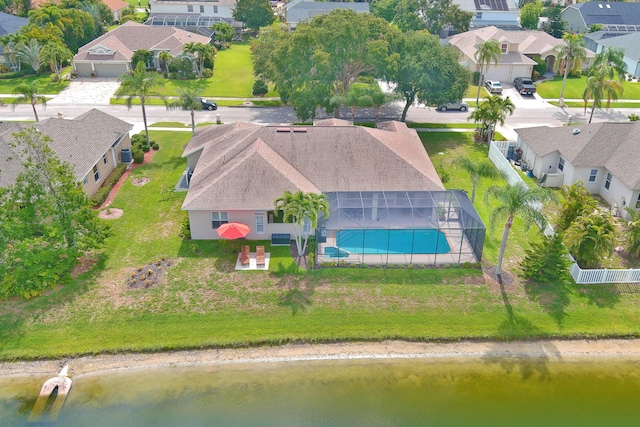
148, 275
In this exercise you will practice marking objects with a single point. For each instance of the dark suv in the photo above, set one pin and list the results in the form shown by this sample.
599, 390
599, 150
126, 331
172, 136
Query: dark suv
524, 86
208, 105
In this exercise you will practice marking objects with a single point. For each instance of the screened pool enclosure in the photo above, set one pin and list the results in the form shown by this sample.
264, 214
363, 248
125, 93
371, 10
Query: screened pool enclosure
400, 227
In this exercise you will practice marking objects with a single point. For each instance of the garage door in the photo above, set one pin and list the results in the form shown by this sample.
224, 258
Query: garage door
506, 73
110, 70
83, 69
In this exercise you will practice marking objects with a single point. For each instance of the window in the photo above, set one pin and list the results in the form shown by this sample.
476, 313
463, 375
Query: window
306, 228
215, 9
201, 9
607, 183
274, 217
85, 181
504, 48
638, 202
96, 173
259, 224
593, 175
561, 164
219, 218
104, 158
479, 15
189, 8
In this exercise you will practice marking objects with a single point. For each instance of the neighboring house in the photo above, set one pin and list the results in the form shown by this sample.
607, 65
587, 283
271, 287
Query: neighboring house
499, 13
110, 54
190, 14
303, 10
382, 177
91, 143
116, 7
628, 42
612, 16
601, 155
9, 24
519, 48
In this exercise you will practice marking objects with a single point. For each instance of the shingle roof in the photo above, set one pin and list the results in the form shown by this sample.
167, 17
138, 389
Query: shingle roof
610, 145
81, 141
247, 166
114, 5
302, 10
609, 13
629, 42
132, 36
10, 24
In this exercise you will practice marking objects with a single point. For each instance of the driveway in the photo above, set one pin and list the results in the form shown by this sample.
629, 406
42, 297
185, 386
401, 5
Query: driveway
87, 91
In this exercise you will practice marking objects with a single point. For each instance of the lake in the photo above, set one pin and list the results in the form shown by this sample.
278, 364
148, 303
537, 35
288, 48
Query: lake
487, 391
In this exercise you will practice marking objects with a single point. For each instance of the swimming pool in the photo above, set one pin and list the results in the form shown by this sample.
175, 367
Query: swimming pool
381, 241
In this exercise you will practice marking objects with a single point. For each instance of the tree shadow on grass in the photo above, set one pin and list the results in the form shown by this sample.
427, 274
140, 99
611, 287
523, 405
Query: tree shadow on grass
553, 298
603, 296
297, 294
530, 358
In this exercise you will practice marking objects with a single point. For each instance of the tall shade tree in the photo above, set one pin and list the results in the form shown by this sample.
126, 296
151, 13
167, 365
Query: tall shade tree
253, 13
300, 207
530, 15
46, 220
27, 93
30, 53
476, 170
517, 200
632, 233
189, 100
425, 71
486, 53
571, 55
140, 84
591, 237
57, 55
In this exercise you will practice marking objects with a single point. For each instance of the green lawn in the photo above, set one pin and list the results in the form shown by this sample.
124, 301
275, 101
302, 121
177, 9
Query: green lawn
550, 89
203, 302
45, 85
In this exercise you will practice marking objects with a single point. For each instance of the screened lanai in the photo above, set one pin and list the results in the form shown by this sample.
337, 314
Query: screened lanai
400, 227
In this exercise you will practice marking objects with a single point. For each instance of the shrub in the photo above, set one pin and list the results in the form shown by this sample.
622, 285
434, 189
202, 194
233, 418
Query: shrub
575, 73
139, 137
633, 117
4, 68
16, 74
101, 195
146, 148
540, 67
185, 227
260, 87
475, 77
137, 154
155, 146
207, 73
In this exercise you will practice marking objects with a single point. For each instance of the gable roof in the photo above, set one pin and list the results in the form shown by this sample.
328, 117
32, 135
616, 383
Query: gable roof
629, 42
610, 145
608, 13
10, 24
248, 166
81, 141
302, 10
131, 36
115, 5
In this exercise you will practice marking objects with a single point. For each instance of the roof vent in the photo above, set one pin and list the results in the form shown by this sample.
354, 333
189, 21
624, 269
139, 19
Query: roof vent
576, 131
281, 130
300, 130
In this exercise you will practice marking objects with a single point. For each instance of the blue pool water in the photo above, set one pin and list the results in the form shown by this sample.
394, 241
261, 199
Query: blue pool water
380, 241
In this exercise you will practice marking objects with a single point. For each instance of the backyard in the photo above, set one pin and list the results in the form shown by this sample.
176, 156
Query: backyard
201, 301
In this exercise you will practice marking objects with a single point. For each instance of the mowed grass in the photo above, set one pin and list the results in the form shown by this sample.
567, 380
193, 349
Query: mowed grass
43, 81
202, 301
550, 89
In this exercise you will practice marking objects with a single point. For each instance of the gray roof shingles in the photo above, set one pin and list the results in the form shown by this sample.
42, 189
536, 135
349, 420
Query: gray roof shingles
609, 13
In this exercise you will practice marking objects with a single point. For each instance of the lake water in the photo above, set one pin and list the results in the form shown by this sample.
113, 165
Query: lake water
504, 391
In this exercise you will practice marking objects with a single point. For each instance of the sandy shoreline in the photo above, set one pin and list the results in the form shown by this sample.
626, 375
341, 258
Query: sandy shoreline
553, 350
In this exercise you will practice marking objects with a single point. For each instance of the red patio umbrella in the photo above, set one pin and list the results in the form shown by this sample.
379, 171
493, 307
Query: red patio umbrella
233, 230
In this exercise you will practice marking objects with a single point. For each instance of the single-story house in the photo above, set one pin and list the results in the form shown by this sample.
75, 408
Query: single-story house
601, 155
116, 7
9, 24
110, 54
91, 143
628, 42
304, 10
499, 13
376, 179
518, 50
611, 16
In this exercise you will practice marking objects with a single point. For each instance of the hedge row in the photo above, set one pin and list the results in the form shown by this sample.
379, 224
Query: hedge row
101, 195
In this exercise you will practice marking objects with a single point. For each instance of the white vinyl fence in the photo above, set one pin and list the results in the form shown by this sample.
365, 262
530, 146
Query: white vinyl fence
497, 154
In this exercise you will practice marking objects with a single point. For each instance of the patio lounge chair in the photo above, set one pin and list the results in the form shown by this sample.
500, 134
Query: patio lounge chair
260, 255
245, 255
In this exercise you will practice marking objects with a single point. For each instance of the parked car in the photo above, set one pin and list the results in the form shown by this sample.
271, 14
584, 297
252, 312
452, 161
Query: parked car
493, 86
524, 86
208, 105
462, 106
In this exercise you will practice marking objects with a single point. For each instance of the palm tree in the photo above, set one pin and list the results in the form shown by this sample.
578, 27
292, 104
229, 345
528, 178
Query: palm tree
8, 42
27, 93
476, 170
610, 58
49, 15
486, 53
490, 112
300, 207
519, 200
571, 54
57, 55
632, 233
189, 100
140, 84
30, 53
202, 52
591, 237
164, 57
599, 86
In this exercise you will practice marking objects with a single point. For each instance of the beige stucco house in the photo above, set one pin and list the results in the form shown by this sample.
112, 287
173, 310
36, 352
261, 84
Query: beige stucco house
91, 143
